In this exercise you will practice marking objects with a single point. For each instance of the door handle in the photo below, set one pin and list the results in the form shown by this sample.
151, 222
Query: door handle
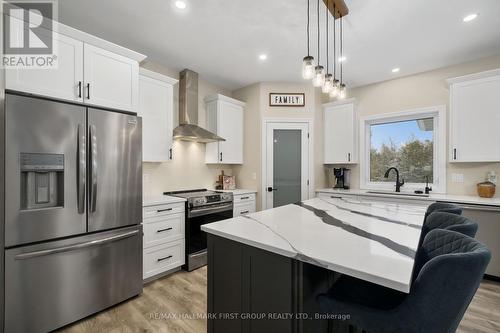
75, 246
88, 90
93, 168
221, 157
79, 89
81, 168
270, 189
170, 153
455, 153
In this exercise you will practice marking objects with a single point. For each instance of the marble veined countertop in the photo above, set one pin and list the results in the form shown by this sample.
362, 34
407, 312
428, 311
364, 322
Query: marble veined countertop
373, 241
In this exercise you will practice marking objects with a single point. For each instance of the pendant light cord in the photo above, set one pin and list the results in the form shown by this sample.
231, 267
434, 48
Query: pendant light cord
318, 31
341, 50
334, 44
327, 59
308, 50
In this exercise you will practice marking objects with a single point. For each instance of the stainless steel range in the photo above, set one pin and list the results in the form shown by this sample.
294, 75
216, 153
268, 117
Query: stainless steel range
202, 207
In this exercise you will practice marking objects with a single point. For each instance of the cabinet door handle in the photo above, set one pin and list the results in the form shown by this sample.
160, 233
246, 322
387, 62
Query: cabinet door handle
454, 153
170, 153
163, 210
164, 258
88, 90
244, 198
349, 157
163, 230
79, 89
244, 212
221, 157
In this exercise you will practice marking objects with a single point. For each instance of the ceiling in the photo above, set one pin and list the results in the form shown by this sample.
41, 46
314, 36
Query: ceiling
221, 39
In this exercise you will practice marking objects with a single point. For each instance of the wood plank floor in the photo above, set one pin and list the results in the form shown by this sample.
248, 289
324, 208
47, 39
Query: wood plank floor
183, 295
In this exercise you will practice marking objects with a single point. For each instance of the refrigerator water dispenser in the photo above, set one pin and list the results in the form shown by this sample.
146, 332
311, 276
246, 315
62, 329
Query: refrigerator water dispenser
42, 180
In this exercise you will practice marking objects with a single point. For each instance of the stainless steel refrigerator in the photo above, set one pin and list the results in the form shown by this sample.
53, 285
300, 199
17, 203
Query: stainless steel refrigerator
73, 208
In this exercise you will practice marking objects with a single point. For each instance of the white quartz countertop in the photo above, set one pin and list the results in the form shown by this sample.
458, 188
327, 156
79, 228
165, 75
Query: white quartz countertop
373, 241
461, 199
160, 200
239, 191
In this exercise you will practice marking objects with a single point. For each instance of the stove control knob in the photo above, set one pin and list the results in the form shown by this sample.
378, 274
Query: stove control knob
199, 201
226, 197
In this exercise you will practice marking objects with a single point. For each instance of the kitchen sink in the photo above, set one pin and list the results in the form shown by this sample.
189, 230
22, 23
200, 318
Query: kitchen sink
402, 194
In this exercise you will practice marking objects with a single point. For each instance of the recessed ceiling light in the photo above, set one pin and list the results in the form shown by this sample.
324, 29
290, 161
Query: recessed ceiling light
263, 56
342, 59
180, 4
470, 17
395, 70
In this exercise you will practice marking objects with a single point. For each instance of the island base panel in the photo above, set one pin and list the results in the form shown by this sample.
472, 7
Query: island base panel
252, 291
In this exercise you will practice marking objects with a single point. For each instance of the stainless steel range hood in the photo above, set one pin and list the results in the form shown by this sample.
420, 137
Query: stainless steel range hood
188, 129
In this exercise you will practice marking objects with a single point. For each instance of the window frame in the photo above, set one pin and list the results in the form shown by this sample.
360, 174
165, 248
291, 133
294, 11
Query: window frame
438, 113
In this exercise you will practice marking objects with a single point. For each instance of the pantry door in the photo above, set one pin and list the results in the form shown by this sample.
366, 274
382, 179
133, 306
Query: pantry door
287, 163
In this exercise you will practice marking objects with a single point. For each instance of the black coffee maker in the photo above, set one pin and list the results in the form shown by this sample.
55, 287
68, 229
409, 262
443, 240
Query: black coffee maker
341, 178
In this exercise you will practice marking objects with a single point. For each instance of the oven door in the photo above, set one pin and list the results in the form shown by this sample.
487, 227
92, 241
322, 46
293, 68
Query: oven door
196, 239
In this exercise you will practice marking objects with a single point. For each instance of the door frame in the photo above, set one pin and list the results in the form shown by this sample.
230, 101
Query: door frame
310, 154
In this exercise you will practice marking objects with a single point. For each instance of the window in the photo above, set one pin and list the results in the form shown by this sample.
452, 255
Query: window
411, 141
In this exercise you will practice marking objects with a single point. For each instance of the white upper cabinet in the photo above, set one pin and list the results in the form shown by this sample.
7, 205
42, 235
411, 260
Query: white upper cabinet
340, 133
156, 105
88, 69
111, 80
64, 82
475, 117
225, 118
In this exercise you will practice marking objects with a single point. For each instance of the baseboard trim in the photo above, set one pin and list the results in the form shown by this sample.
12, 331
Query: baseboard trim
492, 277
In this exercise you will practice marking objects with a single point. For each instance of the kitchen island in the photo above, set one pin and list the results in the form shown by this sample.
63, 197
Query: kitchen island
266, 268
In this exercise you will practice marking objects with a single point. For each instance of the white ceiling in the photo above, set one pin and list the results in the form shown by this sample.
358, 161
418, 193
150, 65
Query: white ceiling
221, 39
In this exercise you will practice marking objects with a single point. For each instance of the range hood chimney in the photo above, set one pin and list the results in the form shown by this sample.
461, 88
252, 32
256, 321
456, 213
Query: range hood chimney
188, 129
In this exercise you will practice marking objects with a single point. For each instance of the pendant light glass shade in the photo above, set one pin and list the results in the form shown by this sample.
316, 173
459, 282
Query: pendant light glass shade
319, 76
308, 68
328, 85
342, 91
334, 92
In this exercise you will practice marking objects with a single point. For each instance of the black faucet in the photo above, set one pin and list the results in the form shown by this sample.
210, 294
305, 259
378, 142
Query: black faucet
398, 183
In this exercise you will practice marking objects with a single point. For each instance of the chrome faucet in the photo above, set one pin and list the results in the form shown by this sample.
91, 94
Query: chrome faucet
398, 183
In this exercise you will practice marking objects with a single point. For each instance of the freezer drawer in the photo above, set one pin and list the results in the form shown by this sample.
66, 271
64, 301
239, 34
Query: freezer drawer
53, 284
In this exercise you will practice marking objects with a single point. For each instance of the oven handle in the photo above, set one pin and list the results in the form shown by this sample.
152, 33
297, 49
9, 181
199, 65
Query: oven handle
207, 211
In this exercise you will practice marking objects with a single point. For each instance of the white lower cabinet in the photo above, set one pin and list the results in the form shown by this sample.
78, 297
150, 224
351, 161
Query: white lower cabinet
244, 204
164, 238
162, 258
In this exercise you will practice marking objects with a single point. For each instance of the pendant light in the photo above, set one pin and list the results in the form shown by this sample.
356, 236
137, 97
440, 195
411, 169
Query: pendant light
335, 83
328, 85
342, 89
308, 61
319, 71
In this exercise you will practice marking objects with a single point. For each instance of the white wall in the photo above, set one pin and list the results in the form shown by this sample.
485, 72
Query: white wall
422, 90
187, 170
256, 96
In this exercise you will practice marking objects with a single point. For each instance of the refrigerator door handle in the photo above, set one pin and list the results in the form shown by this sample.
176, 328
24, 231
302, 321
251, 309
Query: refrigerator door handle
77, 246
93, 168
82, 168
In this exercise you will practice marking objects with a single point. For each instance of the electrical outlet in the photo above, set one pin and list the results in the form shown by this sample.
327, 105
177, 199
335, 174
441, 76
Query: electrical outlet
457, 177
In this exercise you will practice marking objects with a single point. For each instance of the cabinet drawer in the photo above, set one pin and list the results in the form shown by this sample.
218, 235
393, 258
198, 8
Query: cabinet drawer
244, 198
163, 229
243, 209
161, 258
162, 210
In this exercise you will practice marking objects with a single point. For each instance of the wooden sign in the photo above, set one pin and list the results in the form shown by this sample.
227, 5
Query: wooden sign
287, 99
